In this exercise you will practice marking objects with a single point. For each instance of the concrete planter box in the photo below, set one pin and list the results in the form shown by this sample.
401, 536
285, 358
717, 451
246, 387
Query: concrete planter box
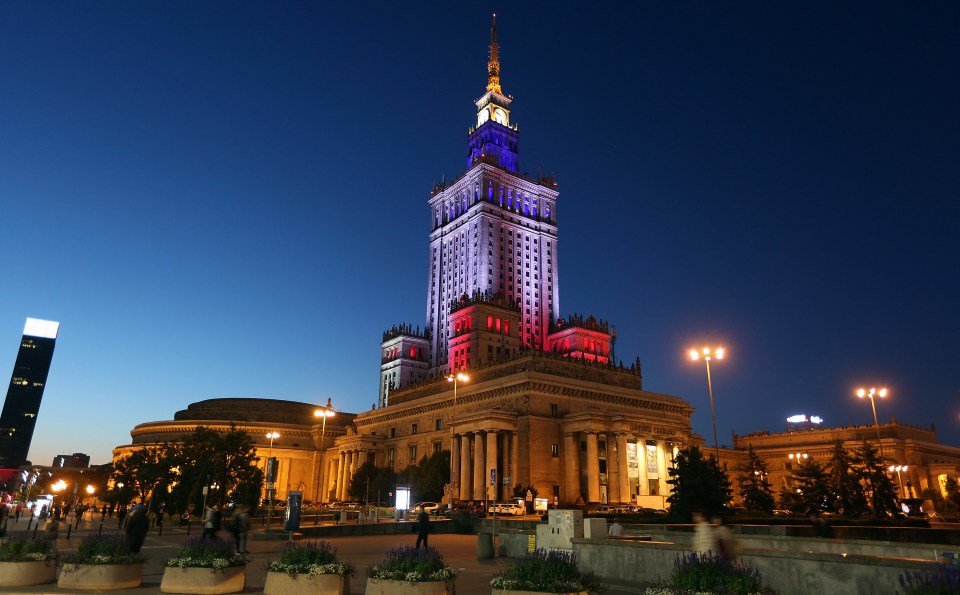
512, 592
281, 583
382, 586
203, 580
33, 572
100, 577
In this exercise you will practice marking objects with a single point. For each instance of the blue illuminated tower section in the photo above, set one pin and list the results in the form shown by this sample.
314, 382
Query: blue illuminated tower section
29, 378
493, 231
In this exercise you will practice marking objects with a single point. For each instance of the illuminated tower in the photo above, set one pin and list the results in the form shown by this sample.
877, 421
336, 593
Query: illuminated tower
20, 409
493, 230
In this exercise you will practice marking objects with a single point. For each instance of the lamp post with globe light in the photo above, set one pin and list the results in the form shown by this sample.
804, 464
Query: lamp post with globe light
707, 354
454, 477
324, 412
871, 394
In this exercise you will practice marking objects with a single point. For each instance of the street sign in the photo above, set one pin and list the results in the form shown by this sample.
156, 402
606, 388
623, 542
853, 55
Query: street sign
493, 477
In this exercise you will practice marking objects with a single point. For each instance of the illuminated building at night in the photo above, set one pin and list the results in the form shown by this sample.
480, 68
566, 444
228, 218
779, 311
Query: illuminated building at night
22, 405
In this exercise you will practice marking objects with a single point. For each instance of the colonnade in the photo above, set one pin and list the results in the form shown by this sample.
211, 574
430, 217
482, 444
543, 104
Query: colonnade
343, 470
474, 454
619, 487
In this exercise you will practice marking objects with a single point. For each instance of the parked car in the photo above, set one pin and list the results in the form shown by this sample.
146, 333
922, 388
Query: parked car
507, 508
429, 507
604, 510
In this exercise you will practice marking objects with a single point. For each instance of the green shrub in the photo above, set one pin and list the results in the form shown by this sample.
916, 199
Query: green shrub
20, 549
413, 565
709, 573
553, 572
207, 553
108, 548
310, 557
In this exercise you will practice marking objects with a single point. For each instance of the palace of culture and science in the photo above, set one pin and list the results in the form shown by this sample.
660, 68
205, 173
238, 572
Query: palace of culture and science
516, 392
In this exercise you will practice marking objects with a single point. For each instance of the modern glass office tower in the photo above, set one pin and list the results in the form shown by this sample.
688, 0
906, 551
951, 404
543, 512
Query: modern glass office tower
29, 378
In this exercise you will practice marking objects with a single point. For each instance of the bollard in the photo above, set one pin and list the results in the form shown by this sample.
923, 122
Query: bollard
68, 531
35, 530
100, 531
188, 527
29, 522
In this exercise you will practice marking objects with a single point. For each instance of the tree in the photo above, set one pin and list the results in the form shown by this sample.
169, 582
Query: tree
382, 482
952, 488
878, 488
520, 493
752, 480
811, 486
428, 477
846, 491
698, 484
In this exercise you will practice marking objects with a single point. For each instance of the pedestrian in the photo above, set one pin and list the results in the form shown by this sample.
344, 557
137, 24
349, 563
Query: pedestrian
211, 522
616, 529
703, 539
423, 528
726, 545
239, 526
121, 515
137, 526
51, 531
820, 526
185, 518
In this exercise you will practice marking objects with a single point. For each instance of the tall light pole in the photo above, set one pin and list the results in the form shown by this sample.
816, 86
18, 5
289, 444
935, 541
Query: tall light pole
873, 392
454, 486
707, 354
898, 469
271, 436
324, 412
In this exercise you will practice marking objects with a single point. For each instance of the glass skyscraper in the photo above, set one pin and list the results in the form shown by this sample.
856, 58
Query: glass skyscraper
29, 378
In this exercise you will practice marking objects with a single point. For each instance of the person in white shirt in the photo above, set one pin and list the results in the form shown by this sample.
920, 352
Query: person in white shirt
616, 529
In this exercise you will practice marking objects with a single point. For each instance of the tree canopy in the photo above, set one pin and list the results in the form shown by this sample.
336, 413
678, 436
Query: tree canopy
698, 484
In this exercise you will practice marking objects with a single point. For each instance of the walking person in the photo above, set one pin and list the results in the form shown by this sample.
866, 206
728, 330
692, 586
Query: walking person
137, 527
423, 528
211, 522
239, 526
726, 545
703, 538
616, 529
51, 531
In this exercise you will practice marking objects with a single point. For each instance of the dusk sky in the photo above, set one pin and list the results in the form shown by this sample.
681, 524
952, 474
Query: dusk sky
229, 199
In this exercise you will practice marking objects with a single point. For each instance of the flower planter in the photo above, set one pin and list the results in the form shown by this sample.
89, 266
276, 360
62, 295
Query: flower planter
32, 572
281, 583
203, 580
100, 577
512, 592
382, 586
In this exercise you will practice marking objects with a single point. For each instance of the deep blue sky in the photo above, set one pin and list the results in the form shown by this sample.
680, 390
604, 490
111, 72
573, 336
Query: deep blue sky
229, 199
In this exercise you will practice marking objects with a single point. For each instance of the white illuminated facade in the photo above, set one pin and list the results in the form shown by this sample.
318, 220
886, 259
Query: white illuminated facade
46, 329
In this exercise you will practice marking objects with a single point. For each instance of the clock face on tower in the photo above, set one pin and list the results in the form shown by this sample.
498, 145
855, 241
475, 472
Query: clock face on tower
482, 117
499, 116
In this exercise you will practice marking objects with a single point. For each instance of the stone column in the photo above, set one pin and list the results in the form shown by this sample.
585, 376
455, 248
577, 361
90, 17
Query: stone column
479, 462
491, 464
643, 489
466, 471
623, 474
514, 456
341, 470
662, 467
613, 470
571, 468
593, 468
454, 468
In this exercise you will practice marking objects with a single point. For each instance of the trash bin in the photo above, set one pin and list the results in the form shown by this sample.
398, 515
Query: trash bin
484, 546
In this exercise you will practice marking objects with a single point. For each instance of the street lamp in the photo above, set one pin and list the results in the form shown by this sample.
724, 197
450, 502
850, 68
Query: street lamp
861, 393
324, 412
271, 436
898, 469
707, 354
797, 456
454, 486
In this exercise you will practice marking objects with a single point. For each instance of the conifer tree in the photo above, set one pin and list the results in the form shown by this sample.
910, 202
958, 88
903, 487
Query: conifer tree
847, 497
752, 480
811, 486
879, 489
698, 483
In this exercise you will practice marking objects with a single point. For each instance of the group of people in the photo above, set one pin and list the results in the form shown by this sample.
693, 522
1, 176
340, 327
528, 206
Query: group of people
238, 524
713, 538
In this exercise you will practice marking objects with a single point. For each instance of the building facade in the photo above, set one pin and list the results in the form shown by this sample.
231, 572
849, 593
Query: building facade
25, 391
928, 463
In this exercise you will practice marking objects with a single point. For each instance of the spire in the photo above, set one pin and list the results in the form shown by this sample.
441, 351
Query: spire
493, 66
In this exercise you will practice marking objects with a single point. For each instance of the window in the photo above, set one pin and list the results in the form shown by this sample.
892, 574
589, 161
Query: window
390, 457
413, 429
554, 410
555, 450
413, 454
393, 432
436, 447
438, 424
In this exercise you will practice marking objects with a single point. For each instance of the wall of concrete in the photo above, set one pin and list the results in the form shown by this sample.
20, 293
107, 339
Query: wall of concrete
623, 562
